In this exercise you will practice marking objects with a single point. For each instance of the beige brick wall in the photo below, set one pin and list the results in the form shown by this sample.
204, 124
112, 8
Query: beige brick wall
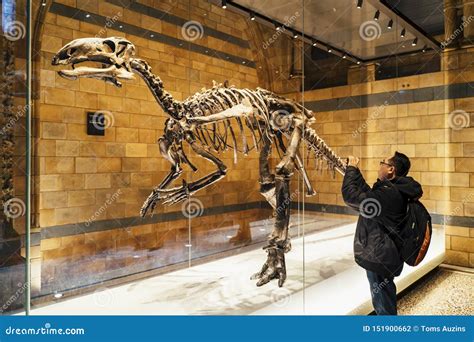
442, 158
77, 172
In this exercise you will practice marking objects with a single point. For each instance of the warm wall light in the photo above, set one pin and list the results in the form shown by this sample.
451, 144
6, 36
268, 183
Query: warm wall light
415, 41
360, 3
224, 4
390, 24
377, 15
402, 34
252, 16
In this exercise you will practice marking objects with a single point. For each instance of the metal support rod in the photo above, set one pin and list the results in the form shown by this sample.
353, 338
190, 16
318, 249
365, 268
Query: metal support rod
29, 62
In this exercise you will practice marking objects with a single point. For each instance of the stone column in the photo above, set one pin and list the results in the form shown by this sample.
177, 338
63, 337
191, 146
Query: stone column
468, 22
361, 74
449, 23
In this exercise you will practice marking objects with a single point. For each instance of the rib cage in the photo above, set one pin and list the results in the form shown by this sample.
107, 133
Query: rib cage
221, 136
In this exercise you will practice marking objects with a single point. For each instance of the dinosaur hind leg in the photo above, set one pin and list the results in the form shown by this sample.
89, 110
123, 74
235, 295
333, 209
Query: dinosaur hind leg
279, 240
267, 189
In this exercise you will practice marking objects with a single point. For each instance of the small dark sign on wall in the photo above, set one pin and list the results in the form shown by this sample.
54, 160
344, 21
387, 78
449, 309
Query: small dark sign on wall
95, 123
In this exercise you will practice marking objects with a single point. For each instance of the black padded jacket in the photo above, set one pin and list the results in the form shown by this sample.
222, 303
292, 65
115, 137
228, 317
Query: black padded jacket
382, 210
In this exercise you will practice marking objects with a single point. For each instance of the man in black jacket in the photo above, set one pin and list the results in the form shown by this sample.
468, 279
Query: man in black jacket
382, 209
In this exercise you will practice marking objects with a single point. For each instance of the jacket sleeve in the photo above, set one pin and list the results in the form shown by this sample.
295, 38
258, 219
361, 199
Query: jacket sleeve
372, 203
354, 187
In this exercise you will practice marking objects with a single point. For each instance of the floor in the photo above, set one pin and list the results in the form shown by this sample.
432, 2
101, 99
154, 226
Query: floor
442, 292
327, 282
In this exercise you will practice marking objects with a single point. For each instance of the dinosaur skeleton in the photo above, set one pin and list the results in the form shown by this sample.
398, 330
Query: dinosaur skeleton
203, 121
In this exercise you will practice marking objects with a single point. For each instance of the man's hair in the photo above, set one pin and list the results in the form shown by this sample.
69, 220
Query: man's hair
402, 164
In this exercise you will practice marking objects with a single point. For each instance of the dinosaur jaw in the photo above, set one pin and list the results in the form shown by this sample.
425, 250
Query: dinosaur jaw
110, 74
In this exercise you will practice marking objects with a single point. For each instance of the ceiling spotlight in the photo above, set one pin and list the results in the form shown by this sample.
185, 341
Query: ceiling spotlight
390, 24
43, 3
329, 50
252, 16
415, 41
377, 15
295, 35
88, 15
360, 3
314, 43
344, 56
224, 4
277, 27
424, 49
402, 34
358, 62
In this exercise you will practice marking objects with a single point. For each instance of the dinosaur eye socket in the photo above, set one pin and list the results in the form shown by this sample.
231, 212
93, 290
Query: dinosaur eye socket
71, 51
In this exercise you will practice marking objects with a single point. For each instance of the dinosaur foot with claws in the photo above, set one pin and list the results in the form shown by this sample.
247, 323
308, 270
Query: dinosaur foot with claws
273, 268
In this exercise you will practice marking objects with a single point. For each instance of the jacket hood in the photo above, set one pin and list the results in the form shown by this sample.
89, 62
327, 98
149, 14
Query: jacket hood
409, 187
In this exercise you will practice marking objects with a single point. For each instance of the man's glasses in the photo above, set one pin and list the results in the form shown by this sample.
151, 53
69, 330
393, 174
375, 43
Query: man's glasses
382, 162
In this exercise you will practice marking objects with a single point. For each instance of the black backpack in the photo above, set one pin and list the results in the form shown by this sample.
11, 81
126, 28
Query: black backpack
416, 232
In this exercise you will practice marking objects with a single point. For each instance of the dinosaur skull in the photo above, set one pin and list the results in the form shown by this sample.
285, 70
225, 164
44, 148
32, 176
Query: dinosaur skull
113, 53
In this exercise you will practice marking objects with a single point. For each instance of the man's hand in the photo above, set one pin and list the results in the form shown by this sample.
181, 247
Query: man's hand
353, 161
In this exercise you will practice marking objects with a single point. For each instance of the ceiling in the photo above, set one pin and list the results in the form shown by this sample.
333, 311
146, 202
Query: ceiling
354, 31
427, 14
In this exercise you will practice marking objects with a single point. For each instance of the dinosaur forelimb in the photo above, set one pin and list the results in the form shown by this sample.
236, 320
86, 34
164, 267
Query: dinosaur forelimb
179, 194
155, 195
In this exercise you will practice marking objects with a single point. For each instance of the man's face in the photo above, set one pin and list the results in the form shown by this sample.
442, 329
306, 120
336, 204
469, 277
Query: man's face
386, 169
